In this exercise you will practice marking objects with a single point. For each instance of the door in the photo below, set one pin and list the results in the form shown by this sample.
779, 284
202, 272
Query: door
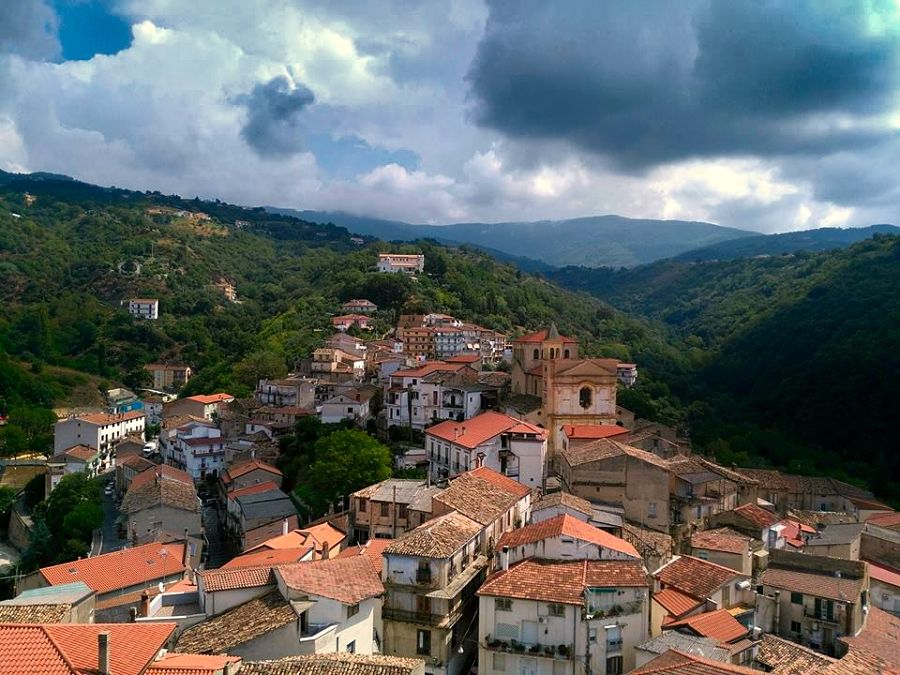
529, 632
528, 666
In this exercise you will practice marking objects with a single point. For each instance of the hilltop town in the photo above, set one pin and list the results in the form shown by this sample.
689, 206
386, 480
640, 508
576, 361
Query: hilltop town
526, 523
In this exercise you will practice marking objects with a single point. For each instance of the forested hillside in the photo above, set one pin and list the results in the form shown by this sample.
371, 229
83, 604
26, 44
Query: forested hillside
803, 345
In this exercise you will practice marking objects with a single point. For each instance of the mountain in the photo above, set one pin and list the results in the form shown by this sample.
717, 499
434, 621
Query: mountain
821, 239
803, 345
598, 241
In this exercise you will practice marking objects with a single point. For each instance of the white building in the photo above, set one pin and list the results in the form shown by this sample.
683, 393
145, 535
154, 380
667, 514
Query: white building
505, 444
352, 405
196, 448
401, 262
542, 617
100, 431
144, 308
409, 402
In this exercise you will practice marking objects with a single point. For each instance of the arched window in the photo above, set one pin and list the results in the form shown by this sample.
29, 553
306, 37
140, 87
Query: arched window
584, 397
537, 354
566, 354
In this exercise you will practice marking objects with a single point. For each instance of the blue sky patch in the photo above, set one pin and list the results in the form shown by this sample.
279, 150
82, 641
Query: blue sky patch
88, 27
349, 156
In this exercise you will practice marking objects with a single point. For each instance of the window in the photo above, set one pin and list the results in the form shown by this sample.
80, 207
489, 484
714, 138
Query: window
614, 665
651, 509
503, 604
703, 555
351, 647
556, 609
385, 509
352, 610
499, 662
566, 354
363, 504
795, 627
797, 598
423, 642
536, 355
402, 511
585, 397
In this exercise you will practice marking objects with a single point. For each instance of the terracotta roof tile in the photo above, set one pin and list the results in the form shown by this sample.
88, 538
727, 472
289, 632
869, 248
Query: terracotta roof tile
256, 488
347, 580
34, 613
540, 336
675, 602
474, 432
497, 479
884, 574
173, 663
166, 492
605, 448
335, 664
103, 419
238, 625
819, 585
232, 579
439, 537
756, 515
325, 535
71, 649
698, 578
674, 662
722, 539
81, 452
789, 658
888, 520
120, 569
373, 550
563, 581
266, 556
878, 640
163, 472
476, 498
246, 467
566, 525
593, 431
564, 499
719, 625
206, 399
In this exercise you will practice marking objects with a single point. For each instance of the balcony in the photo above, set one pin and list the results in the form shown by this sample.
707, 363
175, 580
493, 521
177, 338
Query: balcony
317, 638
811, 613
412, 616
613, 646
635, 607
557, 652
423, 576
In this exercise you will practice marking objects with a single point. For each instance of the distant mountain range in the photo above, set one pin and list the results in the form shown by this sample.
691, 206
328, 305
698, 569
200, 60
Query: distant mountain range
598, 241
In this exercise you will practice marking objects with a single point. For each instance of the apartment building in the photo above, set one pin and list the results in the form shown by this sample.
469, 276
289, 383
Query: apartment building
298, 392
407, 263
406, 403
387, 509
169, 376
359, 306
100, 431
144, 308
197, 448
207, 406
547, 616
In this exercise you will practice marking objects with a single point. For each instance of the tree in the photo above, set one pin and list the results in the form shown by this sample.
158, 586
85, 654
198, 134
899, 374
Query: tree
345, 461
7, 498
260, 364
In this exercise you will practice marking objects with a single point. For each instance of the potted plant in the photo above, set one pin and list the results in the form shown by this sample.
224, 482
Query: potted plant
534, 649
549, 650
563, 650
518, 647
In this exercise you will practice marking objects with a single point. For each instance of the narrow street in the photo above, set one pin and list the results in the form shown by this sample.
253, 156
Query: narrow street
109, 529
216, 552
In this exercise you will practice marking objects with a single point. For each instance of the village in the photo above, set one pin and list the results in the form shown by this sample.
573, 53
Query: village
549, 530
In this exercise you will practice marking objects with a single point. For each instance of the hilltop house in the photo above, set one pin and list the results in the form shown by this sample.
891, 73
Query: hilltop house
401, 262
144, 308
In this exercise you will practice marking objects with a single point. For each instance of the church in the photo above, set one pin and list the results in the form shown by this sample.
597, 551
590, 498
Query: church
572, 390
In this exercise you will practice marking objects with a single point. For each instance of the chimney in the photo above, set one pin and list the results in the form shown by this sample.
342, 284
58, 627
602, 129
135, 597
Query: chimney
145, 604
103, 652
325, 549
504, 558
284, 526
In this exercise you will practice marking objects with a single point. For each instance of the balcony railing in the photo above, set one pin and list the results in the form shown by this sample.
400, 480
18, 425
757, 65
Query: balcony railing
423, 576
559, 652
635, 607
810, 613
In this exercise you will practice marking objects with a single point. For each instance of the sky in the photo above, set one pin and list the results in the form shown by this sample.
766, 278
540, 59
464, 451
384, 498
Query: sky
769, 115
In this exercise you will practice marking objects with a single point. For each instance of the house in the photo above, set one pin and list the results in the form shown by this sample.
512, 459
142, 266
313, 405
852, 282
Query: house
76, 649
341, 604
337, 365
246, 474
352, 405
783, 656
348, 321
299, 392
686, 586
564, 538
197, 448
77, 459
430, 577
701, 489
871, 650
372, 550
162, 499
207, 406
255, 518
387, 509
725, 547
359, 306
130, 446
676, 662
66, 603
749, 519
219, 590
812, 600
835, 541
144, 308
721, 626
336, 664
406, 399
169, 376
324, 539
687, 644
611, 472
504, 444
100, 431
118, 578
885, 587
579, 434
559, 503
627, 374
401, 262
553, 616
494, 501
121, 400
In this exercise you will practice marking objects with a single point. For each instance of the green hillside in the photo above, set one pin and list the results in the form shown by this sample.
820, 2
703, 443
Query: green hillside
803, 345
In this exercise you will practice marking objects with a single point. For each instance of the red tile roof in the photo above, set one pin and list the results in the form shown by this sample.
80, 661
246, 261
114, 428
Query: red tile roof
237, 471
479, 429
877, 641
593, 431
563, 581
888, 520
253, 489
541, 335
269, 557
347, 580
564, 500
325, 535
373, 550
698, 578
566, 525
428, 368
722, 539
206, 399
819, 585
884, 574
71, 649
674, 662
232, 579
498, 480
163, 471
675, 602
719, 625
120, 569
174, 663
81, 452
103, 419
756, 515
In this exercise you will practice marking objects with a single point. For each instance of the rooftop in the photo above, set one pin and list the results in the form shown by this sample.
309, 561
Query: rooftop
698, 578
605, 448
437, 538
162, 472
372, 550
884, 574
675, 602
719, 625
229, 579
81, 452
545, 334
480, 429
324, 535
398, 490
476, 498
676, 662
173, 663
33, 613
566, 525
722, 539
71, 649
246, 467
103, 419
563, 581
789, 658
756, 515
268, 557
563, 499
68, 594
347, 580
208, 399
238, 625
273, 504
593, 431
173, 493
334, 664
688, 644
876, 642
819, 585
833, 535
120, 569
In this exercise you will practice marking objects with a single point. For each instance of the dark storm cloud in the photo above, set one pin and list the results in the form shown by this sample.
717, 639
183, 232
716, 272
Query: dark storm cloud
28, 28
273, 116
649, 82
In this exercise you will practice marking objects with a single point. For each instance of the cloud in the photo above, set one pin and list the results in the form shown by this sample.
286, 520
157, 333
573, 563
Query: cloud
273, 116
29, 28
642, 84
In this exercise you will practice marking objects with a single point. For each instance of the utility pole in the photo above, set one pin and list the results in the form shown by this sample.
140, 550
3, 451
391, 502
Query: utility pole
587, 642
